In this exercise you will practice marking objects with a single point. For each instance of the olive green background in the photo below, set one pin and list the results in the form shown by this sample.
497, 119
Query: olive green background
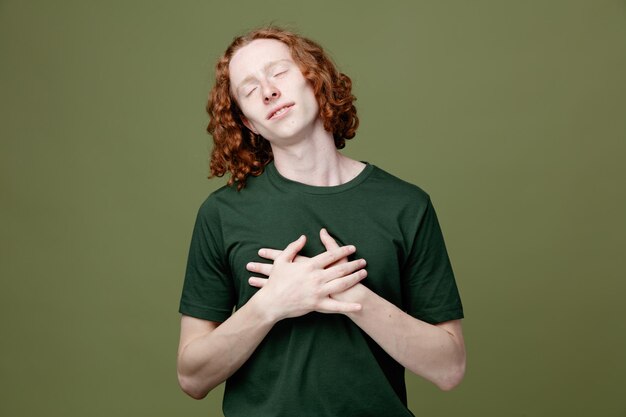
511, 114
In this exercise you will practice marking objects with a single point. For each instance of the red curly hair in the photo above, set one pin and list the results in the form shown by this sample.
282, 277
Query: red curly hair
241, 152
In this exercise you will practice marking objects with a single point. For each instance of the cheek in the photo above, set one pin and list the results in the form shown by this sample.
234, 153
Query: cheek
309, 98
250, 117
250, 112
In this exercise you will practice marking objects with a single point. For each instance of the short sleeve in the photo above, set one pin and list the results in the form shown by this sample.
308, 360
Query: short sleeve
208, 291
430, 292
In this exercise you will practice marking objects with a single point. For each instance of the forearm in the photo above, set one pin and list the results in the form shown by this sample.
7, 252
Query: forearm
427, 350
210, 358
212, 354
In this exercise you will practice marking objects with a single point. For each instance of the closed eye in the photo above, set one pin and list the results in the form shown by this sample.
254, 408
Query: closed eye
250, 92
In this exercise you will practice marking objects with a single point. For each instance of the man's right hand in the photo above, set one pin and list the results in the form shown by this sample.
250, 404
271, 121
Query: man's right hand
298, 286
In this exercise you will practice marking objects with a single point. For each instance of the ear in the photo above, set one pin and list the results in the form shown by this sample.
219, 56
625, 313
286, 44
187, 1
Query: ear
247, 124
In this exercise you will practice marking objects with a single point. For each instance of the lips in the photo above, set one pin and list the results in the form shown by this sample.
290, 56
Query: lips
279, 111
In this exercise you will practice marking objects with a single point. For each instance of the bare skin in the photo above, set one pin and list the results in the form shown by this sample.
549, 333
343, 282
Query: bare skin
435, 352
209, 352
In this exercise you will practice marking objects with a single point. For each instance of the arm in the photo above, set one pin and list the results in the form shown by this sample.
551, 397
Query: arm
210, 352
434, 352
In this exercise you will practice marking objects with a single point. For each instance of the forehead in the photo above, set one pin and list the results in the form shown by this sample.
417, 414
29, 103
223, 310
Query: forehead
253, 58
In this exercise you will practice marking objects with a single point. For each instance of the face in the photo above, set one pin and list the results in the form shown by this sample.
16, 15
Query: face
277, 101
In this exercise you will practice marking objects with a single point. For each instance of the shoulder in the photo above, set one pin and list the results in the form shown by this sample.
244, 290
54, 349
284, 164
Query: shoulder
397, 189
212, 202
229, 194
227, 202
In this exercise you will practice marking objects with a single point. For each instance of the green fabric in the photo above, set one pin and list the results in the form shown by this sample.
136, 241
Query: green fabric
320, 364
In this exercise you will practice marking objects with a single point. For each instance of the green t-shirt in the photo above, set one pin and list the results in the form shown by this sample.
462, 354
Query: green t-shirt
320, 364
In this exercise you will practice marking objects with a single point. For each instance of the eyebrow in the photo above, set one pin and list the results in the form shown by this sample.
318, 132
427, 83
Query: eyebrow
265, 69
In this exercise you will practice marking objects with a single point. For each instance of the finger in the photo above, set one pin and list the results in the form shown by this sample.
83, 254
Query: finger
270, 253
326, 258
330, 243
328, 305
261, 268
327, 240
343, 269
257, 282
292, 250
341, 284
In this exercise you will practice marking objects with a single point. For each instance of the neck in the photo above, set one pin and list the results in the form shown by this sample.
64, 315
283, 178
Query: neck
315, 161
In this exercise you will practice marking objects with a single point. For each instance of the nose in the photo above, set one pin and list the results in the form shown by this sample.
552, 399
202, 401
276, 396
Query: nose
270, 93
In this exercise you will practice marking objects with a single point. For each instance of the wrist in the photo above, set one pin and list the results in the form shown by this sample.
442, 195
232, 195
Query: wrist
358, 294
263, 308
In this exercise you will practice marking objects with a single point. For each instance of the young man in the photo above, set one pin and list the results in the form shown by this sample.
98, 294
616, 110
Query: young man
313, 333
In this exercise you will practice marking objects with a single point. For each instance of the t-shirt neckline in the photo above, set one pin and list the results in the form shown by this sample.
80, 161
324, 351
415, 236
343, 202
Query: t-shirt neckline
285, 183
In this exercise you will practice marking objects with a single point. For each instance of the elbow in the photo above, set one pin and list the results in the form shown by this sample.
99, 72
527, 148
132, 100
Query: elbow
192, 388
193, 381
452, 377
